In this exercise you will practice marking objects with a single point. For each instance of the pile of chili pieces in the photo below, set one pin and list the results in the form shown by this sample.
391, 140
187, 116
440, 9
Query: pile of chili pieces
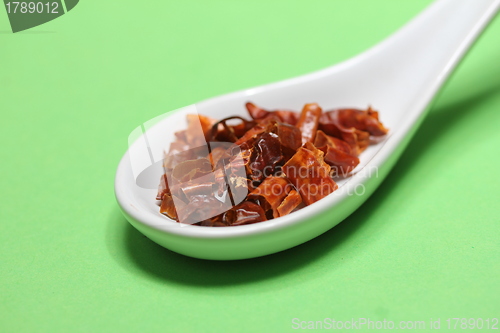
275, 163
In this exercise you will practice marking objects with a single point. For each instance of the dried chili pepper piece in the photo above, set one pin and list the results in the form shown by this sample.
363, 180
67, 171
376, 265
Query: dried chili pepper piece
337, 153
220, 186
236, 176
230, 179
362, 120
191, 169
285, 116
216, 221
353, 126
273, 190
221, 131
216, 155
263, 125
196, 200
266, 147
179, 151
251, 134
163, 187
200, 208
309, 173
245, 213
255, 111
198, 129
289, 136
326, 140
167, 207
341, 163
181, 136
291, 201
330, 124
242, 128
266, 155
309, 121
201, 186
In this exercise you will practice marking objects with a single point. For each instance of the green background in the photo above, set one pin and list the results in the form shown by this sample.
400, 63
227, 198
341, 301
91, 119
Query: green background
425, 245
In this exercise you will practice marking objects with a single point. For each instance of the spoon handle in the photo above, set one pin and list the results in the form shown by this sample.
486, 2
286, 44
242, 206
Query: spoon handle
427, 49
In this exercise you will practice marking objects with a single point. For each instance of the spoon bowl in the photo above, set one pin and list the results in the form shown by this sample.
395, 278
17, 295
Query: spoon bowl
399, 77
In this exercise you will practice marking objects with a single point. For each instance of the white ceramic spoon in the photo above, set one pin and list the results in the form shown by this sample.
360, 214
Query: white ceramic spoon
399, 77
